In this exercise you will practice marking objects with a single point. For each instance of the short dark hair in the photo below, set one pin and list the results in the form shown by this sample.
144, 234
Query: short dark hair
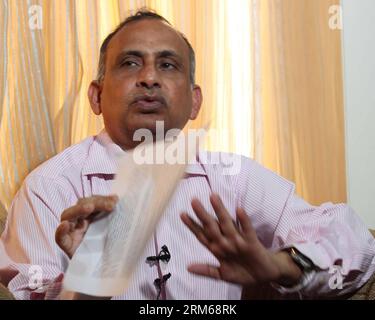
141, 14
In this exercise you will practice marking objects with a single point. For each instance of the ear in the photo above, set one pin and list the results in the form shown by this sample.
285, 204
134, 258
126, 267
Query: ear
197, 102
94, 92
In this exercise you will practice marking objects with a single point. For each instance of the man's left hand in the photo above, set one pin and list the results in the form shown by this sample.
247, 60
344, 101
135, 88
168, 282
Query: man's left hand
242, 257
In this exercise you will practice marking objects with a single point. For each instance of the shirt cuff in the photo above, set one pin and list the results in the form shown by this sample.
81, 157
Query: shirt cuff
50, 291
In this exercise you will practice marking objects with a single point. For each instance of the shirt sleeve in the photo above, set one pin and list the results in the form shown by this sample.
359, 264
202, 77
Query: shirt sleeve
331, 235
29, 237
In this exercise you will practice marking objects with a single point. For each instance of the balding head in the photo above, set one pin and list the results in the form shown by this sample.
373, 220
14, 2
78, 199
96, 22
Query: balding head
138, 16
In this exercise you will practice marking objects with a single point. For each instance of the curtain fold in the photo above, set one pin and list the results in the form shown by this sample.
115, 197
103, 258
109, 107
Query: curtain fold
270, 72
302, 97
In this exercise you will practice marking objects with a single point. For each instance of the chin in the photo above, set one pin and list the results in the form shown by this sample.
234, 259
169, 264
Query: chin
147, 121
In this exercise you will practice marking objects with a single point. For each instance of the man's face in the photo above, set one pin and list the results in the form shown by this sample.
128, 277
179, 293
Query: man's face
146, 80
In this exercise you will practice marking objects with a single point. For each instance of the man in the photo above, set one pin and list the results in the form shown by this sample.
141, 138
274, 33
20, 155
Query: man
146, 74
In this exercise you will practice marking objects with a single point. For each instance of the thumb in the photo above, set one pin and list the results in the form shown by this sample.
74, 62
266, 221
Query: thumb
63, 238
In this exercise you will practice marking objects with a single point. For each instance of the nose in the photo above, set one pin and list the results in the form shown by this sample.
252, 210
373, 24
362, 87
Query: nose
148, 77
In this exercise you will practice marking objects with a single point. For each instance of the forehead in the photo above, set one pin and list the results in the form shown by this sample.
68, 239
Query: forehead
148, 35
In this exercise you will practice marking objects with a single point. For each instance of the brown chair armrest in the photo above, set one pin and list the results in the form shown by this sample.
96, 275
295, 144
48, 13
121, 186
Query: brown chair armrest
5, 294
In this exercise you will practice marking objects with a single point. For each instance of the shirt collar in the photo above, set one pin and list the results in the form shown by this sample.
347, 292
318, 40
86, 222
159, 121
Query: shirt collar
104, 154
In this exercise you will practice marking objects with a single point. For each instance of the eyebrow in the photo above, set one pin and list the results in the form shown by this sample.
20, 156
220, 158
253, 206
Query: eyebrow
168, 54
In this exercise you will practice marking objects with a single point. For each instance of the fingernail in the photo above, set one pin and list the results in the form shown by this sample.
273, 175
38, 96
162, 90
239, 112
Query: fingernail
215, 196
108, 205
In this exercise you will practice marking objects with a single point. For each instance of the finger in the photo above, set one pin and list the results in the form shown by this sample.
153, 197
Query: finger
81, 225
205, 270
59, 278
85, 207
62, 236
226, 222
220, 248
245, 223
211, 227
195, 228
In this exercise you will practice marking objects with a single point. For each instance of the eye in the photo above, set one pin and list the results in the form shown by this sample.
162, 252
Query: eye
129, 63
167, 65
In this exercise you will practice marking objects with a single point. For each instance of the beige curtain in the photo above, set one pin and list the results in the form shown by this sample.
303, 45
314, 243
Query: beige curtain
269, 91
302, 97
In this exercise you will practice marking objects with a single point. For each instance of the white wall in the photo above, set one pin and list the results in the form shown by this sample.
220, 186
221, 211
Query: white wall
359, 75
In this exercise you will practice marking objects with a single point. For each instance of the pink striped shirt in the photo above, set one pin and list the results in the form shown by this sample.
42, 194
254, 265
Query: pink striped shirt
329, 234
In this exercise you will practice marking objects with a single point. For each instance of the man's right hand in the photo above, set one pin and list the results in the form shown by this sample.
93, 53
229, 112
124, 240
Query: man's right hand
76, 220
